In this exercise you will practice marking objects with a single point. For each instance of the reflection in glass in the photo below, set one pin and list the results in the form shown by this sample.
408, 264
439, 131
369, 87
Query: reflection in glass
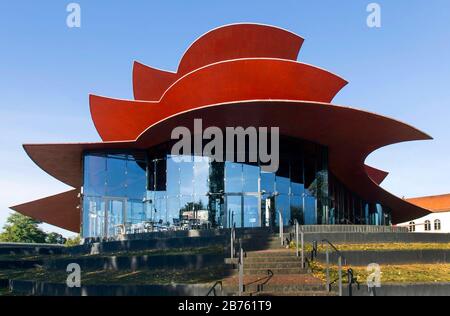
251, 212
233, 177
234, 211
162, 192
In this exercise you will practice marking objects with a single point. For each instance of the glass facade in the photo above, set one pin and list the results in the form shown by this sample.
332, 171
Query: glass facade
143, 191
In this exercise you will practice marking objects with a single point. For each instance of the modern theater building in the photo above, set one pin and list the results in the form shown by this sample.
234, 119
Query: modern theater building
243, 75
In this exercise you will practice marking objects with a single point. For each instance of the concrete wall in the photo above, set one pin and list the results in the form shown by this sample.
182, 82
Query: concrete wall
364, 258
134, 263
436, 289
378, 237
146, 244
27, 249
53, 289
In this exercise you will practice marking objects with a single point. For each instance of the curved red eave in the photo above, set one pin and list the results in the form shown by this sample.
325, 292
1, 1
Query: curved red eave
243, 40
236, 41
223, 82
350, 134
64, 161
378, 176
149, 84
59, 210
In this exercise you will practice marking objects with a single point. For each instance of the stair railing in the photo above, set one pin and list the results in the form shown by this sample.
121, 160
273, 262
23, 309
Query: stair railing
241, 270
233, 240
213, 289
351, 280
341, 259
281, 224
299, 244
349, 273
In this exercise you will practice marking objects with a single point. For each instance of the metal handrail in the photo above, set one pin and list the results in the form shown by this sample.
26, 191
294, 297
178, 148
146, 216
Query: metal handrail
350, 275
352, 280
335, 250
241, 269
233, 240
213, 288
300, 248
281, 224
260, 286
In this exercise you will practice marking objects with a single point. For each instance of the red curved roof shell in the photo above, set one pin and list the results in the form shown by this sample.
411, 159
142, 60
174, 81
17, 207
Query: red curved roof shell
237, 75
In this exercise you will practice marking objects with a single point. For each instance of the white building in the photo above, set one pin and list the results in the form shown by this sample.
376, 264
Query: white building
436, 222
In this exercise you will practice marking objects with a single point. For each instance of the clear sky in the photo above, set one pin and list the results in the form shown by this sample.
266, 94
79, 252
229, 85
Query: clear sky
47, 70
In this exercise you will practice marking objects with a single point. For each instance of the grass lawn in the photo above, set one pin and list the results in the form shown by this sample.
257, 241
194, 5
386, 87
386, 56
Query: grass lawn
139, 277
381, 246
411, 273
151, 252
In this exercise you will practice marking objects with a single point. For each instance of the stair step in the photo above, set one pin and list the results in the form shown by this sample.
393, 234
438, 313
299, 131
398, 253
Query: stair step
275, 271
275, 288
281, 259
272, 254
272, 265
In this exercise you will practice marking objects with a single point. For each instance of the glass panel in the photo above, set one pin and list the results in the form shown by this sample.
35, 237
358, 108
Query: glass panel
115, 219
135, 212
251, 178
233, 177
310, 210
136, 179
283, 185
282, 204
251, 211
159, 215
297, 209
160, 174
217, 177
94, 217
201, 177
234, 211
186, 177
216, 211
94, 175
201, 211
267, 182
173, 211
173, 177
116, 176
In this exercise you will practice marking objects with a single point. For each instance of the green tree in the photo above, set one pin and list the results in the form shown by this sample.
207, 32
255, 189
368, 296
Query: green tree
55, 238
22, 229
74, 241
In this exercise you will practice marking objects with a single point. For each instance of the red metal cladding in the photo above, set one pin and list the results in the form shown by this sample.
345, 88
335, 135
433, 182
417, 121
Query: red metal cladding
350, 134
230, 81
376, 175
240, 41
225, 43
149, 84
59, 210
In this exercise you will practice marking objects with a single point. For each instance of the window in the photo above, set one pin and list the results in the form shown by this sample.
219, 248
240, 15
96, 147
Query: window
412, 227
437, 225
427, 226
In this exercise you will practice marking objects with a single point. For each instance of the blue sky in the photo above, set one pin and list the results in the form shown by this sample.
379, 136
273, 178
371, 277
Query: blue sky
47, 71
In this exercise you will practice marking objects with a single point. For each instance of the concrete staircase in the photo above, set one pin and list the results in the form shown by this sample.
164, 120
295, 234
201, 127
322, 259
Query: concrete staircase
271, 269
